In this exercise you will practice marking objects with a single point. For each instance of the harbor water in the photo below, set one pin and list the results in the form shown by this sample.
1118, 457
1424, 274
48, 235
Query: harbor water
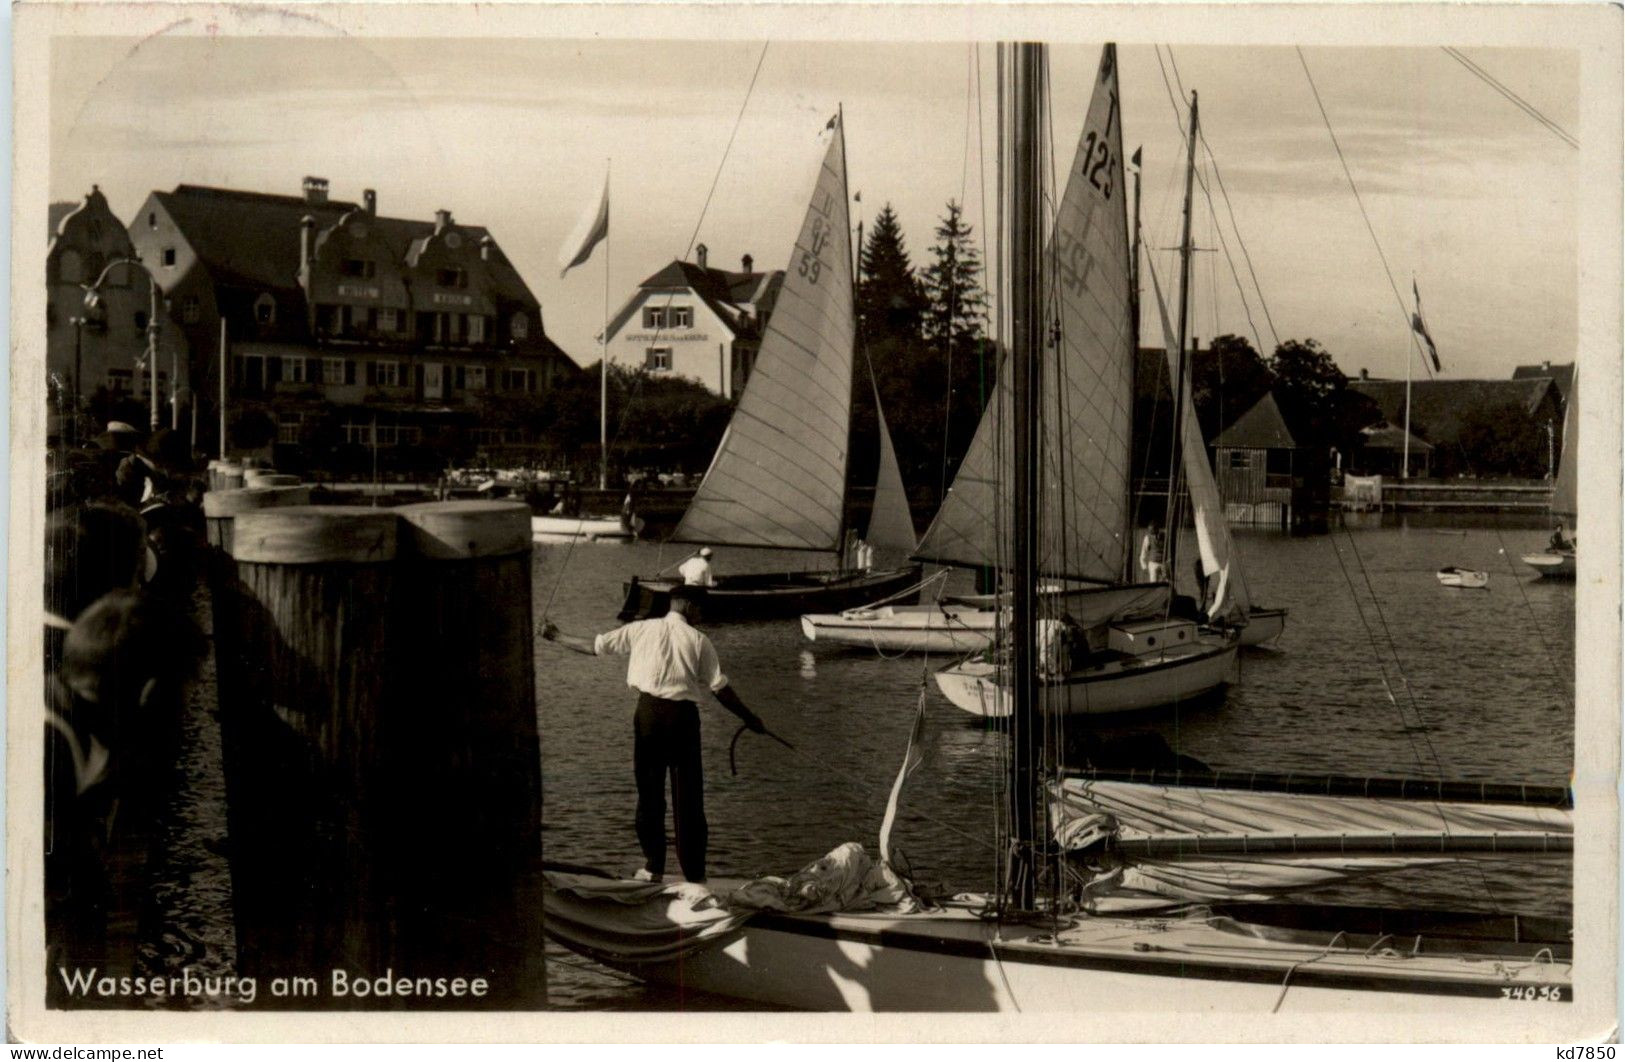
1380, 671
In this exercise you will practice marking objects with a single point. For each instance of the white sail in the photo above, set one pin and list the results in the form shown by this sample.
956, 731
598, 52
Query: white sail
1565, 497
1213, 540
1087, 386
890, 525
778, 478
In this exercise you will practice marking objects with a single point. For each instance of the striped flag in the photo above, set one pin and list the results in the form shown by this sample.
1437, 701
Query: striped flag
589, 232
1420, 328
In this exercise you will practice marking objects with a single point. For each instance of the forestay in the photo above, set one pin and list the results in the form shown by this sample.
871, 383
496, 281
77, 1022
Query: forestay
779, 477
1213, 540
1087, 385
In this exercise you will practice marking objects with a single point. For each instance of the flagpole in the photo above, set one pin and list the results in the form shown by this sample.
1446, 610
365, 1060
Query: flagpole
603, 363
1405, 458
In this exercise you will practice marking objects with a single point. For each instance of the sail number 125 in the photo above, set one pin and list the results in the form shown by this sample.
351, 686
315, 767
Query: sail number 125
1097, 159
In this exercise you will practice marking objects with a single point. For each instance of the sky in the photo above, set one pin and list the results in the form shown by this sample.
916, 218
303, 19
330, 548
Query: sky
1468, 196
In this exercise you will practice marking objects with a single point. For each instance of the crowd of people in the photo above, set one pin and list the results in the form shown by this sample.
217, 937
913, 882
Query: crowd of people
124, 531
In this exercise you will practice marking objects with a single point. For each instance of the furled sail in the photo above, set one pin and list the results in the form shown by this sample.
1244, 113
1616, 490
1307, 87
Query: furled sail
778, 479
1217, 549
1210, 842
890, 525
1087, 384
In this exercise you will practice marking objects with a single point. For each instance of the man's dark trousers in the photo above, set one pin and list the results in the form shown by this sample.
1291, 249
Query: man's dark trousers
667, 738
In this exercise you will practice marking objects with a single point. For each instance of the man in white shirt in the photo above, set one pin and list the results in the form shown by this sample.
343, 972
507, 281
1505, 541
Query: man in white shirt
672, 666
696, 571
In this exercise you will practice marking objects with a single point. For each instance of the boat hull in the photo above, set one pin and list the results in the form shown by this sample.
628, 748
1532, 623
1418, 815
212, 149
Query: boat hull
1552, 564
578, 529
906, 628
1264, 625
952, 960
1119, 687
1463, 578
777, 595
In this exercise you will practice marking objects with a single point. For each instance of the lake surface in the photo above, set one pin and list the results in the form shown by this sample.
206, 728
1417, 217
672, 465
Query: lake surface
1380, 671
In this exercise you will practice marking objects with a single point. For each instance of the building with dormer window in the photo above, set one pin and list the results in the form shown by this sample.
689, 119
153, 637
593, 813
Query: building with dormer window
340, 317
94, 356
697, 322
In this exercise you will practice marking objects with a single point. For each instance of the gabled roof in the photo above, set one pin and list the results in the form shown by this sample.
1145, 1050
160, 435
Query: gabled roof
1562, 375
251, 239
1260, 428
1439, 405
724, 292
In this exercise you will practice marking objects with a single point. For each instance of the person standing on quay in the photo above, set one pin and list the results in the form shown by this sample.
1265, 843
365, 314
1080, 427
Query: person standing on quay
672, 666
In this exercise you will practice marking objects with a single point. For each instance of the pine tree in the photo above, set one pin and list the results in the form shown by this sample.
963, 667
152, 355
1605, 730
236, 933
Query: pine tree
956, 304
889, 301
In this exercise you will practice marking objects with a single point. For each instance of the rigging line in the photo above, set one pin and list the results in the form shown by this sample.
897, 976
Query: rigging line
1517, 101
1564, 689
1416, 343
1201, 138
725, 151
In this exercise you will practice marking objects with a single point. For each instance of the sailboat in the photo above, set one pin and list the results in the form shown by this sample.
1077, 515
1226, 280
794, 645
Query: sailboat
1142, 655
779, 478
1557, 561
1138, 892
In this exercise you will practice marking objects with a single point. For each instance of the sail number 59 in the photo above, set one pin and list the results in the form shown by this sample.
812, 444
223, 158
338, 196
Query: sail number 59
812, 264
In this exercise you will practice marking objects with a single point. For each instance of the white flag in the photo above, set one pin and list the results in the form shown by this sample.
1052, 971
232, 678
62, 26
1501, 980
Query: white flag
589, 232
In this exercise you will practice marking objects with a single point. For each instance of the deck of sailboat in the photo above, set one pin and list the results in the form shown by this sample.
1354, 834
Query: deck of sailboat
956, 958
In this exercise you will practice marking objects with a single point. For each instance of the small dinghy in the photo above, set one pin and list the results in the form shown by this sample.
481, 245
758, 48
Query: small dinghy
1465, 578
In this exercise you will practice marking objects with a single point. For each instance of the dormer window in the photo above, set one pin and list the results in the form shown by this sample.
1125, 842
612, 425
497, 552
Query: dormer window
519, 326
265, 309
451, 278
362, 268
169, 256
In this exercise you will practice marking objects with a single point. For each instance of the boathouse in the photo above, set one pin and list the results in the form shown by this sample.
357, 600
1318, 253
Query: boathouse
1255, 462
1383, 451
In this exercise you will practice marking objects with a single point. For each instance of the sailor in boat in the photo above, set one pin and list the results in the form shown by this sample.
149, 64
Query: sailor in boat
696, 571
1153, 556
672, 666
1561, 543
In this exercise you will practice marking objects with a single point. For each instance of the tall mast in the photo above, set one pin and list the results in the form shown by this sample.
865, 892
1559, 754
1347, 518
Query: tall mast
1177, 454
1131, 510
1027, 334
603, 366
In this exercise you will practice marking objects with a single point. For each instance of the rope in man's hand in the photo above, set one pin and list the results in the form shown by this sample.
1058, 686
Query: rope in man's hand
733, 767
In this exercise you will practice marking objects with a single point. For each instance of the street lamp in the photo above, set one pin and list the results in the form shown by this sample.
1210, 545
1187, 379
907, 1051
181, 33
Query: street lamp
93, 304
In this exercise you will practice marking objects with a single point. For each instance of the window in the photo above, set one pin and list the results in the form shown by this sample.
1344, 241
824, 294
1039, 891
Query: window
654, 317
169, 256
476, 329
333, 370
516, 379
364, 268
189, 309
140, 319
451, 278
293, 369
682, 317
389, 320
474, 378
519, 326
657, 359
387, 373
1240, 459
288, 427
152, 220
265, 309
119, 381
70, 267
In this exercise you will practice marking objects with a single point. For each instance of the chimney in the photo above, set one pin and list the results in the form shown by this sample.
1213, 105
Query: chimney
1545, 366
315, 190
1365, 374
442, 219
486, 243
307, 232
747, 261
369, 199
699, 255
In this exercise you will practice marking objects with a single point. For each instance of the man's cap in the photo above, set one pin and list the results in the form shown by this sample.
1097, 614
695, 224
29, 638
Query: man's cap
705, 551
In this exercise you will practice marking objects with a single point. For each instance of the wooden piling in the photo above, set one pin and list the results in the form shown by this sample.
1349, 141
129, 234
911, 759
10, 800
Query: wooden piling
308, 623
221, 507
462, 748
